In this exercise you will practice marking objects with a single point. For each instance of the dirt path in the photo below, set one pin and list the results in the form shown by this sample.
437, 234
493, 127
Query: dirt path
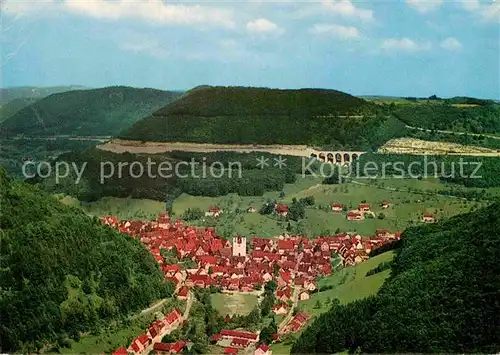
121, 146
288, 317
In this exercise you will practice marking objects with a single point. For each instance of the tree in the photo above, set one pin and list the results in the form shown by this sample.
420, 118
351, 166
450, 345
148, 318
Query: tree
381, 215
317, 305
270, 286
267, 208
192, 214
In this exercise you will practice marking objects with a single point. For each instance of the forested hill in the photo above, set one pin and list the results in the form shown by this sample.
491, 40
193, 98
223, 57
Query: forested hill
33, 92
443, 296
64, 273
268, 116
104, 111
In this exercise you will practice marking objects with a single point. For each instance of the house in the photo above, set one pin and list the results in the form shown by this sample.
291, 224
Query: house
364, 207
183, 293
285, 246
169, 348
238, 334
385, 204
241, 343
213, 211
354, 216
427, 218
280, 309
337, 207
139, 344
384, 233
251, 209
173, 318
120, 351
262, 349
284, 294
281, 210
162, 348
177, 347
304, 295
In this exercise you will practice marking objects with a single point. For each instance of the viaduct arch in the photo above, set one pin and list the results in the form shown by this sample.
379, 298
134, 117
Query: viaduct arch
336, 157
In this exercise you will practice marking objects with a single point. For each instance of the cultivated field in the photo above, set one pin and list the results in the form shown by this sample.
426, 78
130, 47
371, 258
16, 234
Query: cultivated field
422, 147
409, 199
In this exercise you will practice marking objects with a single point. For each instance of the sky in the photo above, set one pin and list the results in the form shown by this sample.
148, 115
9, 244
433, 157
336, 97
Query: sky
370, 47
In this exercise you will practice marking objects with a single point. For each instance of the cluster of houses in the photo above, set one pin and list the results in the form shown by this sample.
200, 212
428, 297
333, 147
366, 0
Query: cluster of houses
298, 321
151, 339
243, 265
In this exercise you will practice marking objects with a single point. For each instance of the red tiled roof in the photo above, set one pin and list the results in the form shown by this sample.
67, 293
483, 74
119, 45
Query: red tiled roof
281, 208
263, 347
178, 346
120, 351
230, 351
183, 292
238, 334
143, 338
285, 244
162, 346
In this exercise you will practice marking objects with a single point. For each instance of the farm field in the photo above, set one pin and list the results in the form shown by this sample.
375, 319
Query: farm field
409, 200
234, 303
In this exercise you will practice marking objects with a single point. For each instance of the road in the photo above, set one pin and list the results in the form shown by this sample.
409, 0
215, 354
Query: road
288, 317
184, 317
453, 132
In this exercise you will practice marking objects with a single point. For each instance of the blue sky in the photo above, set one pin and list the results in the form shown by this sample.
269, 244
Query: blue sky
401, 48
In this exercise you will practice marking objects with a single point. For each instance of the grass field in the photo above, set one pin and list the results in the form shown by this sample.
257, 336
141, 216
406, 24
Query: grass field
124, 208
110, 340
349, 284
235, 303
409, 199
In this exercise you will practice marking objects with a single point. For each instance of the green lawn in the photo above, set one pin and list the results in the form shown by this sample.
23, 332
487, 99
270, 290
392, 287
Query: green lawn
350, 284
236, 303
110, 340
409, 198
124, 208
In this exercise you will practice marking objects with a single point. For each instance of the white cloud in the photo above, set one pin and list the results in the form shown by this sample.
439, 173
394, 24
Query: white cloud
342, 32
404, 44
424, 6
152, 11
486, 12
146, 46
451, 44
346, 8
263, 26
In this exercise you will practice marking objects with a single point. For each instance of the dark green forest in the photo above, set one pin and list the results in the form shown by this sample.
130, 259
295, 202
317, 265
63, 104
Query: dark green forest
325, 118
246, 179
481, 119
64, 273
104, 111
442, 296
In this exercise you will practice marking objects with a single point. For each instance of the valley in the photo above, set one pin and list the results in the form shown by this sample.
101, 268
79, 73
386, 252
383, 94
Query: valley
254, 262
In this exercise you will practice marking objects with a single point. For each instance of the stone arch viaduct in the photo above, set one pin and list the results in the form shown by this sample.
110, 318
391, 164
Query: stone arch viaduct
335, 156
